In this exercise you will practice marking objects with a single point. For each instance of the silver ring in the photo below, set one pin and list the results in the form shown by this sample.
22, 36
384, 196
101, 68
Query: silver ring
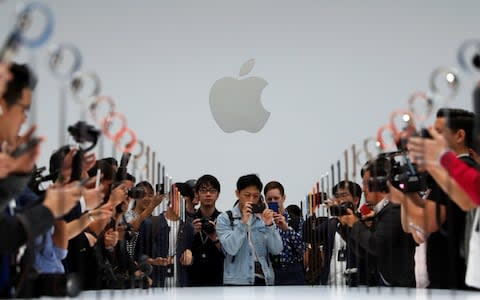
428, 102
94, 106
450, 76
465, 57
56, 58
24, 21
77, 83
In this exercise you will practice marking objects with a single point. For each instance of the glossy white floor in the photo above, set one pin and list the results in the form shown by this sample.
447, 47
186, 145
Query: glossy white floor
282, 293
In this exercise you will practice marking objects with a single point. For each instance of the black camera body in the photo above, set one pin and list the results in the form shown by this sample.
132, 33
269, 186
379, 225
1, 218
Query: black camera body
401, 173
136, 192
259, 207
207, 226
83, 132
341, 209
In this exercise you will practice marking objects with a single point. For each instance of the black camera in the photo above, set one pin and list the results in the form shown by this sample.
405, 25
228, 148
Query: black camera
401, 173
122, 168
259, 207
341, 210
136, 192
82, 133
207, 226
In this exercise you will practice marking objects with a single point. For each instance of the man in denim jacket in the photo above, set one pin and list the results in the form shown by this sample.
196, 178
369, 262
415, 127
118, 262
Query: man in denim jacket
248, 234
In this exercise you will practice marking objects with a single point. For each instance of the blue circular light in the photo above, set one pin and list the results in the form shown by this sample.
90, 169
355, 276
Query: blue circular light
56, 53
41, 39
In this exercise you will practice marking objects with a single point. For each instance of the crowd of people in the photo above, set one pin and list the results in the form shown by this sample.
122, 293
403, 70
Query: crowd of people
100, 232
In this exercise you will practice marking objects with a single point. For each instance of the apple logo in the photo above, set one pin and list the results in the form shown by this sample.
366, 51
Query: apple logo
236, 103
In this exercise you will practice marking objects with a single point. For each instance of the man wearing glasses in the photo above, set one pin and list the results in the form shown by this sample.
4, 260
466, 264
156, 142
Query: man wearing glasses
207, 267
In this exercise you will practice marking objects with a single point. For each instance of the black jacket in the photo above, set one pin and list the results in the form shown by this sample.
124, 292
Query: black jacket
393, 248
207, 267
355, 256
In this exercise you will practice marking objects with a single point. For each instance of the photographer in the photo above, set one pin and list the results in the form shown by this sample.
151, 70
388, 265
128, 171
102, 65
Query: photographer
440, 218
288, 266
83, 250
145, 202
436, 157
23, 226
165, 242
207, 267
344, 263
120, 268
385, 239
248, 235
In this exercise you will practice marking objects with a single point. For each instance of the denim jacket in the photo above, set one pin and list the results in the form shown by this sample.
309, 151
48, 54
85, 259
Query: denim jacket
239, 264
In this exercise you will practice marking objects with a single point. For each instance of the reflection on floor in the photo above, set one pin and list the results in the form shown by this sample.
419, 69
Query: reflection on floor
281, 293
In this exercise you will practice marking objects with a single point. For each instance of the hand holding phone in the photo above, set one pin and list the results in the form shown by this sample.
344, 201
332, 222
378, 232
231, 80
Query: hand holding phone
273, 206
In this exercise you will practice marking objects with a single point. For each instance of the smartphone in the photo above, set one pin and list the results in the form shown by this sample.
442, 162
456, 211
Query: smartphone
273, 206
26, 147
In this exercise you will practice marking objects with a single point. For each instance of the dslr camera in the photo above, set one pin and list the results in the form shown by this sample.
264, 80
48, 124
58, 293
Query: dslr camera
207, 226
82, 132
341, 209
401, 173
136, 192
259, 207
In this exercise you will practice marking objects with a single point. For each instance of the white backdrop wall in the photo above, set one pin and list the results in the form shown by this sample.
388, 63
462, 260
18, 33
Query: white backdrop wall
335, 70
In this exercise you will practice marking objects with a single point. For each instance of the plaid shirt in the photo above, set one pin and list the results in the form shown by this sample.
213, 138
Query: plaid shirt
293, 245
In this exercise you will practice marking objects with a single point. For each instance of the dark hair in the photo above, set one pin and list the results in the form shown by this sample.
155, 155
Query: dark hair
353, 188
294, 210
274, 185
112, 161
145, 185
131, 178
249, 180
23, 78
108, 173
377, 167
56, 161
186, 188
459, 119
207, 180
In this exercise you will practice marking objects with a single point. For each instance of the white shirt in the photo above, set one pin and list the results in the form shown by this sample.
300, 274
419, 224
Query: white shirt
380, 205
337, 268
172, 248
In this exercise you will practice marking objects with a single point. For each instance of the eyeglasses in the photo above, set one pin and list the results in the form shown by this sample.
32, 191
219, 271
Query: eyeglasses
205, 191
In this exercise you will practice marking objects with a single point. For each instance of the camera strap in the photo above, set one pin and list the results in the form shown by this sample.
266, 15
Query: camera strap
202, 239
258, 267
